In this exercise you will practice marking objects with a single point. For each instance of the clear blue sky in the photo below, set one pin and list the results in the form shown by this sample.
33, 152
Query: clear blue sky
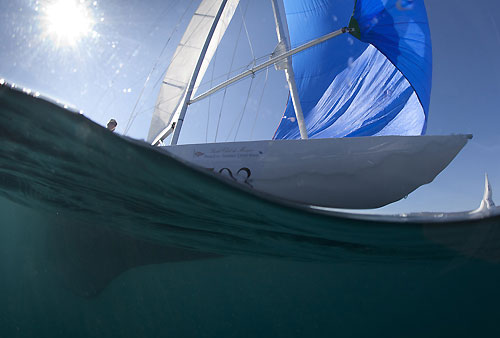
103, 74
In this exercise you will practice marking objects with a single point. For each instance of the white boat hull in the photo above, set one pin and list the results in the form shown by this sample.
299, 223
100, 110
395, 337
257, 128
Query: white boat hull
353, 173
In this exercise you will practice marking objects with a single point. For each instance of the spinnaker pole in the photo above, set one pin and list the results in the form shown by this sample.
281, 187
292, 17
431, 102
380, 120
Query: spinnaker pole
274, 60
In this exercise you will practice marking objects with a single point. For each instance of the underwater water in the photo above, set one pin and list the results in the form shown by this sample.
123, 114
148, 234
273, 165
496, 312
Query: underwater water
103, 236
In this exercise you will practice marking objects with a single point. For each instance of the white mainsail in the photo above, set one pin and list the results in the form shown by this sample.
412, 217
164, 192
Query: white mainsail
184, 61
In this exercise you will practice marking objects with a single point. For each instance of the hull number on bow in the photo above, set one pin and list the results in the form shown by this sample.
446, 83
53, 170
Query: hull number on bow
242, 175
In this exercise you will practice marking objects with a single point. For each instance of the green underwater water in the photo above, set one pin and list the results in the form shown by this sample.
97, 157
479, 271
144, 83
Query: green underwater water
242, 296
104, 236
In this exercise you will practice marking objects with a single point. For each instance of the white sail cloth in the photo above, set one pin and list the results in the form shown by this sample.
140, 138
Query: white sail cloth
186, 56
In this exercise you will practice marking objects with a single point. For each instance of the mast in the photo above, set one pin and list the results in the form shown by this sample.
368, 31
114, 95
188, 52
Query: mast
189, 91
283, 46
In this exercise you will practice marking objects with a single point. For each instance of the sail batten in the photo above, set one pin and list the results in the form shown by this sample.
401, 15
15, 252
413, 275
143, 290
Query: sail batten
185, 59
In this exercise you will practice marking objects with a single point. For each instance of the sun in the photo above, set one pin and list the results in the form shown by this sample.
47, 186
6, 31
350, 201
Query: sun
67, 21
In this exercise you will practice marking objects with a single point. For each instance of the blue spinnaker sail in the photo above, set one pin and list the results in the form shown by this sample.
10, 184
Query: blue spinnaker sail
376, 81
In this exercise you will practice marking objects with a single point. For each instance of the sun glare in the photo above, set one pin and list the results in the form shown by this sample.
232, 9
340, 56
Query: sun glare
67, 21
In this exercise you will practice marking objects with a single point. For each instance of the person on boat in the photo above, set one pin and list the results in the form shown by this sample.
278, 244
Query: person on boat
112, 125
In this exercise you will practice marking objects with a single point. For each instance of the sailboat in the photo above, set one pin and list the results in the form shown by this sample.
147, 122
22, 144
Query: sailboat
352, 135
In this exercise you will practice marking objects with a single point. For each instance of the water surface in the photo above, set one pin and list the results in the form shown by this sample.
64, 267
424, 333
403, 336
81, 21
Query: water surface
105, 236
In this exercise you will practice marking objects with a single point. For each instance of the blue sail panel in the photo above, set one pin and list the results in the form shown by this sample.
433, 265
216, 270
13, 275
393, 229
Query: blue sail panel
400, 30
346, 86
370, 97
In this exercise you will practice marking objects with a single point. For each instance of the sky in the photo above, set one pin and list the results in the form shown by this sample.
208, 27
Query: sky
101, 69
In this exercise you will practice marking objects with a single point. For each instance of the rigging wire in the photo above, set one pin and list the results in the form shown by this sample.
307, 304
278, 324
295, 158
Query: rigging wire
248, 35
215, 79
136, 49
160, 78
238, 70
111, 85
260, 102
230, 67
211, 84
133, 115
148, 108
136, 113
210, 99
243, 110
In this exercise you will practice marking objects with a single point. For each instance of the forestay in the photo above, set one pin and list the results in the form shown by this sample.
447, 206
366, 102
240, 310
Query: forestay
186, 56
375, 82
